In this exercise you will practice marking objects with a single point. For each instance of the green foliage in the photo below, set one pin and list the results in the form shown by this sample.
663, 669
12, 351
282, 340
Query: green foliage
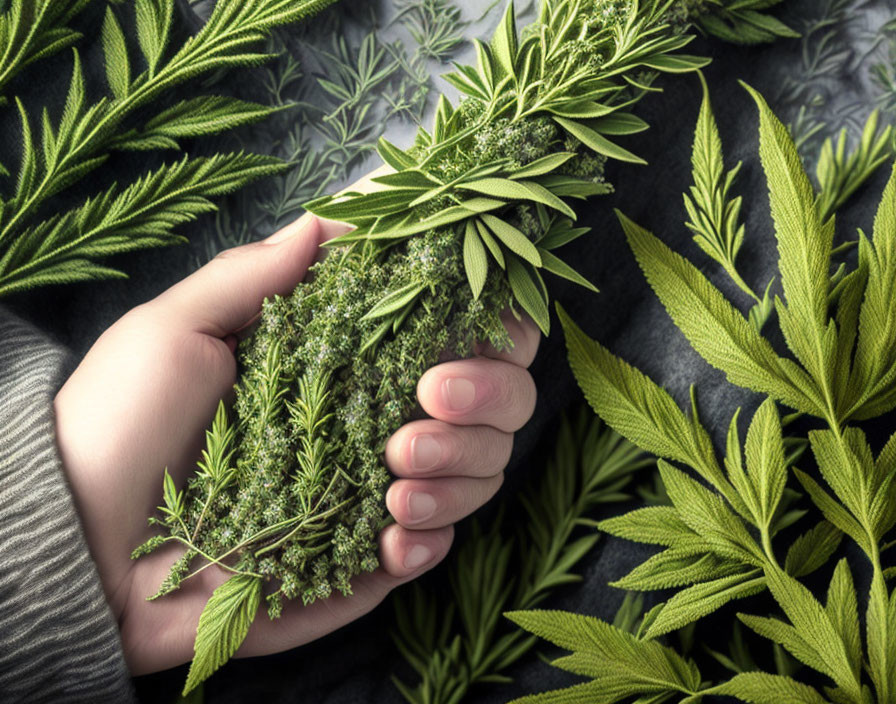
454, 641
63, 248
510, 190
37, 250
840, 174
31, 30
714, 216
720, 541
743, 22
223, 626
619, 664
355, 87
531, 133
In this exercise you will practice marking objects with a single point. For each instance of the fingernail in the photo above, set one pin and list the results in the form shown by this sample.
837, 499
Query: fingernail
290, 231
425, 452
421, 506
417, 556
459, 393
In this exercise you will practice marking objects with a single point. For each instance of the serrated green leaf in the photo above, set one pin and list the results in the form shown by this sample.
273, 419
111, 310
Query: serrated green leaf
766, 460
636, 407
875, 352
763, 688
715, 329
707, 515
812, 549
814, 627
843, 610
695, 602
223, 626
618, 661
880, 624
677, 567
153, 27
833, 511
206, 115
115, 50
656, 525
804, 246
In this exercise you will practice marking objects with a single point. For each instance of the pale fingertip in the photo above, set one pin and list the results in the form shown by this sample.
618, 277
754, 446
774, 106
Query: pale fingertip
479, 392
295, 229
405, 554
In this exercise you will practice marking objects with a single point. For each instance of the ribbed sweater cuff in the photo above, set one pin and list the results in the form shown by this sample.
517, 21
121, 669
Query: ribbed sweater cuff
58, 639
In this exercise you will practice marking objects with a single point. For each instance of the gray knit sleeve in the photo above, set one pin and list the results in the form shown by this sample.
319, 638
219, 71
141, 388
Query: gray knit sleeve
58, 639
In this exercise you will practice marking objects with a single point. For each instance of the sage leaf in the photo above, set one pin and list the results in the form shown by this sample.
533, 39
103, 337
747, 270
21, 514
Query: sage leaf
396, 301
475, 260
527, 293
541, 167
513, 239
597, 142
558, 267
394, 157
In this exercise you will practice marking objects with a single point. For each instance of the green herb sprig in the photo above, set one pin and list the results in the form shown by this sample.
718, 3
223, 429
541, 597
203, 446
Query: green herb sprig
720, 533
36, 249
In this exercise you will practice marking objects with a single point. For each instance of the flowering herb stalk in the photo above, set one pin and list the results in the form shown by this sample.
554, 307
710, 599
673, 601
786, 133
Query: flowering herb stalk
289, 496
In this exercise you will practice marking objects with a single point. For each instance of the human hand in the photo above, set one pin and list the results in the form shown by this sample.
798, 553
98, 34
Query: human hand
143, 396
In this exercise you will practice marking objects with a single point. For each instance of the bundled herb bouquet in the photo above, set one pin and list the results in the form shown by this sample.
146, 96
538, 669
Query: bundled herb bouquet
289, 493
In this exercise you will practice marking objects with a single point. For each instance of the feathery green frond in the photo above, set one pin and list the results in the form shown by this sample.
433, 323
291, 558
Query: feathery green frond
80, 141
63, 248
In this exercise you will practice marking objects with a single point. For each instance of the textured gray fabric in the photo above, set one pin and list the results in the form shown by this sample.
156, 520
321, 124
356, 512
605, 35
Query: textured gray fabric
59, 641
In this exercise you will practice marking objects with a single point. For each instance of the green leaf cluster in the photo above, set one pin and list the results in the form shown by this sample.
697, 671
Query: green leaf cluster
509, 204
37, 249
461, 230
721, 535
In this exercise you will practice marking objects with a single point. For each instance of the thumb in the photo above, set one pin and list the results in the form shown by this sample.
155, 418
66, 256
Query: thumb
227, 293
